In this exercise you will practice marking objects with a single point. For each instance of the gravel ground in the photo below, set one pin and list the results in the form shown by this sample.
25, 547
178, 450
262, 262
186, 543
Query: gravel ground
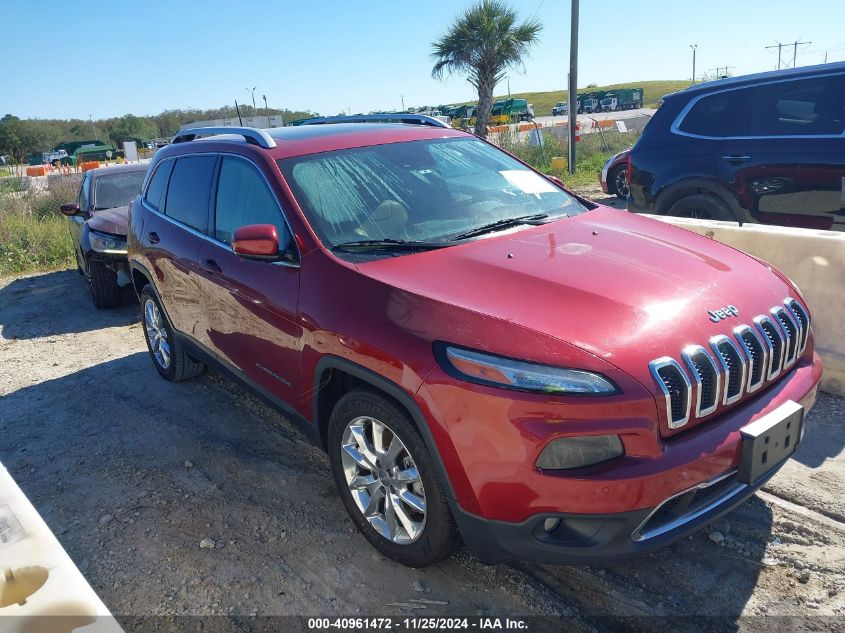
197, 499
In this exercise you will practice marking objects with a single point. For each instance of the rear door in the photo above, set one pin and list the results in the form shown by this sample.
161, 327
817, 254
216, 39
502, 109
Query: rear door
789, 167
174, 233
251, 305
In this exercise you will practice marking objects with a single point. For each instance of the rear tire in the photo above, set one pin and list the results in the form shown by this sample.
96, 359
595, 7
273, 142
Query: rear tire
702, 206
168, 354
377, 471
102, 284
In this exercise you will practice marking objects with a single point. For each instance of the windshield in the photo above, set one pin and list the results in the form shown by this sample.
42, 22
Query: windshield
118, 189
428, 190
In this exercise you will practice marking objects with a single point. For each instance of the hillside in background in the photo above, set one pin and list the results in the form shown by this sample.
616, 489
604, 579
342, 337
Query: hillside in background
654, 91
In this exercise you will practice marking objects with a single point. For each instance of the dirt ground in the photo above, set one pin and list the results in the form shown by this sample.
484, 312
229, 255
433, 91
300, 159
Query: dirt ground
132, 473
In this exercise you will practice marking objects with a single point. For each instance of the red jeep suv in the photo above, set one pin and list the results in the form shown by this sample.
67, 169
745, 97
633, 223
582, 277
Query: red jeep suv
481, 352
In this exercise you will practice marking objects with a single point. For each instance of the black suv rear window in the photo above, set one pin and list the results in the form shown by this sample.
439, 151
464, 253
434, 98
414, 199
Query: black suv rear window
804, 107
188, 193
720, 115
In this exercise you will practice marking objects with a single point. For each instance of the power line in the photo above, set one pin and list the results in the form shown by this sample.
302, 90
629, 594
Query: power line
718, 70
780, 48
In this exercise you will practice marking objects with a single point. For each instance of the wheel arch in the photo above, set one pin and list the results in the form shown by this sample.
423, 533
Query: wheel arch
335, 376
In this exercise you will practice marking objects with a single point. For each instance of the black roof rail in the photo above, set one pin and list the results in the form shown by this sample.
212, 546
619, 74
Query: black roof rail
393, 117
252, 135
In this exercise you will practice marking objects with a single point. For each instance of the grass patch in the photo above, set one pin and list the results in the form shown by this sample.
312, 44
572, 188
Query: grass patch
654, 91
33, 233
591, 153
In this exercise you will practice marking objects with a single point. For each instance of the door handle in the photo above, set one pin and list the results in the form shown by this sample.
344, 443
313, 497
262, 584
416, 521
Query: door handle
736, 159
211, 267
153, 237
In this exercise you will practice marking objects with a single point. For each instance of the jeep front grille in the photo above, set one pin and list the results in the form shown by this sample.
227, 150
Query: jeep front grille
733, 365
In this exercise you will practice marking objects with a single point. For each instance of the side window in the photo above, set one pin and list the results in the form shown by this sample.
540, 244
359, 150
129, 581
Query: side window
720, 115
189, 189
243, 198
84, 197
807, 106
158, 183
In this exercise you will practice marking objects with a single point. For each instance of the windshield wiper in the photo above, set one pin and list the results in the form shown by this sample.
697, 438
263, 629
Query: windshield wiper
388, 244
500, 224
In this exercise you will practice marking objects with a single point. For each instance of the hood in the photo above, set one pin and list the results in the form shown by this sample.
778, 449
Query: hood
114, 221
625, 288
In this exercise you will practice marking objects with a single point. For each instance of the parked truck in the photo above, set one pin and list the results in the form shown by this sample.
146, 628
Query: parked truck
622, 99
560, 108
590, 102
511, 111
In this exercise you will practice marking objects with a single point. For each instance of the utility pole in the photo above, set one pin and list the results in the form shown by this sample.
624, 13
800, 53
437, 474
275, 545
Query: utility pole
402, 97
794, 46
91, 120
719, 75
573, 86
694, 47
254, 111
268, 111
509, 86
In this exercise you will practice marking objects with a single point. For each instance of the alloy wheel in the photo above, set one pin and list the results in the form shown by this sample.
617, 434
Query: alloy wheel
157, 334
383, 480
621, 182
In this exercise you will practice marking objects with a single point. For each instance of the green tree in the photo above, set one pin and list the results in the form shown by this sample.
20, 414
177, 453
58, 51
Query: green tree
483, 43
130, 126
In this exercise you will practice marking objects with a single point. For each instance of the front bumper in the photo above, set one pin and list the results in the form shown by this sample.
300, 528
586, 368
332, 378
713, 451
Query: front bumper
596, 539
603, 509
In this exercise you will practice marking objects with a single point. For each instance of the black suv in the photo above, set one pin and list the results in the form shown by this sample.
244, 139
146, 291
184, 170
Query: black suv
767, 148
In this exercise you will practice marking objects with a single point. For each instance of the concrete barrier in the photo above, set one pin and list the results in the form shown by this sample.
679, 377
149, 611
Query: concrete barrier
814, 260
40, 587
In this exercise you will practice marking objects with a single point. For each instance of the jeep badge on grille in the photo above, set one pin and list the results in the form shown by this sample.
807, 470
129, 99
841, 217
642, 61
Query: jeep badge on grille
724, 313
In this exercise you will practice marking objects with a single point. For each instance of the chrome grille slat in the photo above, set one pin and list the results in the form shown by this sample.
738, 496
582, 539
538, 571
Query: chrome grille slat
789, 326
733, 365
773, 338
705, 373
803, 321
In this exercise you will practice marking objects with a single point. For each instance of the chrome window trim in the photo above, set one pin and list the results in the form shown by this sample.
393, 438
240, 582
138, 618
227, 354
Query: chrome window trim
738, 332
772, 370
788, 361
638, 534
791, 303
688, 354
654, 367
715, 342
214, 240
676, 124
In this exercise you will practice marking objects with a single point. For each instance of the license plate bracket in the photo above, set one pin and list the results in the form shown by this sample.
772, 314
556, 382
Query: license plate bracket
769, 441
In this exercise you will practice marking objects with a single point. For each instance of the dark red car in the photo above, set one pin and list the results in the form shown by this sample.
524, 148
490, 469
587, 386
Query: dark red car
613, 176
481, 352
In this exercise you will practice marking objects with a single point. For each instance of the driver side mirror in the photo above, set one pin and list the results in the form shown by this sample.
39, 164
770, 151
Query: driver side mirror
556, 180
70, 209
256, 241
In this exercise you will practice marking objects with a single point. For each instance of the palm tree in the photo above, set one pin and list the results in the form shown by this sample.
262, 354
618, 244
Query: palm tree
483, 43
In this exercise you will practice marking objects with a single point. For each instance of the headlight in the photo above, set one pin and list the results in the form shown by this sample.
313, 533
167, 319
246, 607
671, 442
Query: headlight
103, 243
576, 452
498, 371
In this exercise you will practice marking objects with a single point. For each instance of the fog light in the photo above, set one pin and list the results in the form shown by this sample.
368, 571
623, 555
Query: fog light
577, 452
550, 525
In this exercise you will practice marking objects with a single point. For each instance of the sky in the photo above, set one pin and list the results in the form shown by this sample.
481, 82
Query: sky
63, 59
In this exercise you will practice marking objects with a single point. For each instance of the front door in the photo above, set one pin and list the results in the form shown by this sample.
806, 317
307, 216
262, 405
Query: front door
250, 305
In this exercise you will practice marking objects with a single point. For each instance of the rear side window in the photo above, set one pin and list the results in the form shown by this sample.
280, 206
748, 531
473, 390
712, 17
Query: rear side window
244, 198
188, 192
720, 115
809, 106
158, 184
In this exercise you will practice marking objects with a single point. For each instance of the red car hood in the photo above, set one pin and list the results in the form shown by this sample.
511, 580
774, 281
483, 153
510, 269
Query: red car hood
114, 221
622, 287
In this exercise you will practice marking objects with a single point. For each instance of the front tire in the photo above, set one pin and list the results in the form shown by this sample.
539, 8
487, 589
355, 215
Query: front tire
102, 284
617, 182
168, 354
702, 206
387, 480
